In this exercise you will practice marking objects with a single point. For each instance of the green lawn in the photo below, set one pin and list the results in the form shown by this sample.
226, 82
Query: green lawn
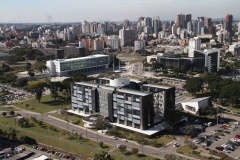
130, 154
233, 108
8, 109
58, 133
187, 151
44, 106
157, 141
72, 118
68, 147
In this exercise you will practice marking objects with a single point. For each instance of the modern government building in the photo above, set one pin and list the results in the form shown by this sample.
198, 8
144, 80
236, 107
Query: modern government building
133, 104
65, 67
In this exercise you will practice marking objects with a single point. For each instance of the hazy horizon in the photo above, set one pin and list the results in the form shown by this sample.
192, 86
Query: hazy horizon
62, 11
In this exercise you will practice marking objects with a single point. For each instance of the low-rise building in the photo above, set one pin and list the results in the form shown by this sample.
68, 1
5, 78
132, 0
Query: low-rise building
194, 105
64, 67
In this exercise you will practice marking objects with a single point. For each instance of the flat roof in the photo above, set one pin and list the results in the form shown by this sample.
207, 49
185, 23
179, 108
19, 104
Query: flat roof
129, 91
87, 57
197, 99
157, 86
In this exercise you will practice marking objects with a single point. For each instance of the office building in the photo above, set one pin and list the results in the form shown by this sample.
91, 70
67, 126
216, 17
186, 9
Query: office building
114, 42
229, 20
139, 45
65, 67
211, 58
98, 44
140, 109
194, 44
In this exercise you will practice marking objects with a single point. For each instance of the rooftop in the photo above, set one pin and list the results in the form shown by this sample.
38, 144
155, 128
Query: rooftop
157, 86
87, 57
198, 99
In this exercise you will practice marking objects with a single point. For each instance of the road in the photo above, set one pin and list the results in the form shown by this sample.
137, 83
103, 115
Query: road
156, 152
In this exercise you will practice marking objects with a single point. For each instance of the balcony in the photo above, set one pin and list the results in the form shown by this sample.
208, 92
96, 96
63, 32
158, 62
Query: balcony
80, 99
79, 106
120, 96
127, 102
114, 115
135, 116
119, 112
86, 89
136, 108
85, 104
79, 92
137, 100
74, 101
114, 99
129, 119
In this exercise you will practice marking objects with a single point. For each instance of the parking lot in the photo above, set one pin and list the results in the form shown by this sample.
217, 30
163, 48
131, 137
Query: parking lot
225, 142
12, 93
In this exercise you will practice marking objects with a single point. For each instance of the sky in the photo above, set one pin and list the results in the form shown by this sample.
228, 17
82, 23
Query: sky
42, 11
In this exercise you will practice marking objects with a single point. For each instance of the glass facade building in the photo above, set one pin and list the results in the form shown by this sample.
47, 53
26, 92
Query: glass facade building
64, 67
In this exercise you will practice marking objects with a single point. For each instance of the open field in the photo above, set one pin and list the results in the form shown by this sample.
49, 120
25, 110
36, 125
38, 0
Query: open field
50, 130
44, 106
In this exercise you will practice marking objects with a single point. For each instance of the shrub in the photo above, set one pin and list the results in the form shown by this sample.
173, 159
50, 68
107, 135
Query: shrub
134, 150
101, 144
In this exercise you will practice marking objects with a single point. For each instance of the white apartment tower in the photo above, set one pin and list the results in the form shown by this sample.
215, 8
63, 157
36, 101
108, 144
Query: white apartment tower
139, 44
114, 42
194, 44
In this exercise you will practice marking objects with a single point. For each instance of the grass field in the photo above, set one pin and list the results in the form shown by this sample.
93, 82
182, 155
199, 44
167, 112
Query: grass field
8, 109
72, 118
187, 151
38, 80
158, 141
50, 130
136, 156
44, 106
56, 143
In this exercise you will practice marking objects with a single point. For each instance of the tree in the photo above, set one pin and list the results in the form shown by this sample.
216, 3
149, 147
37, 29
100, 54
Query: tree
194, 85
38, 89
101, 144
31, 73
5, 67
228, 54
134, 150
231, 92
207, 110
21, 82
122, 148
28, 66
4, 114
213, 82
101, 124
11, 78
12, 113
28, 140
170, 157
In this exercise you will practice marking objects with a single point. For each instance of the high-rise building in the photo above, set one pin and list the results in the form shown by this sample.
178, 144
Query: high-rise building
139, 45
188, 18
212, 58
194, 44
126, 23
229, 19
208, 22
155, 24
140, 19
85, 27
174, 29
127, 36
164, 27
114, 42
200, 25
189, 26
98, 44
148, 22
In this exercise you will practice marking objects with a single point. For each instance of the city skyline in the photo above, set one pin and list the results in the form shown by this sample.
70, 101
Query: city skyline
28, 11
